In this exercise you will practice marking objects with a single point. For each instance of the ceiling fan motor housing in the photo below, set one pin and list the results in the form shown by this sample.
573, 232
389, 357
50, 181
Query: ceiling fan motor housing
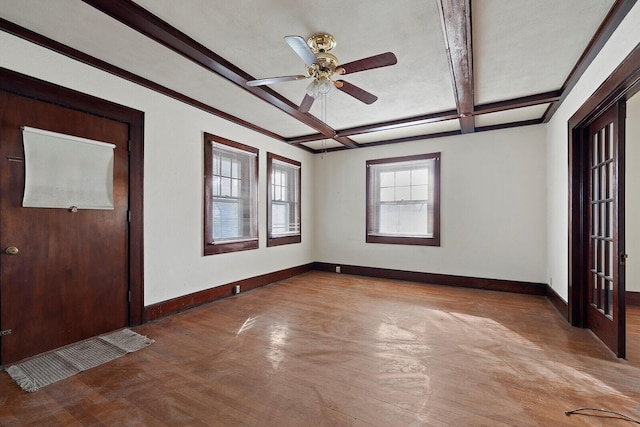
321, 42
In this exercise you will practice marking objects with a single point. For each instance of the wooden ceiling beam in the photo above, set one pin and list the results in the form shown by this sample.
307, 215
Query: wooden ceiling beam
456, 28
144, 22
510, 104
400, 123
525, 101
382, 126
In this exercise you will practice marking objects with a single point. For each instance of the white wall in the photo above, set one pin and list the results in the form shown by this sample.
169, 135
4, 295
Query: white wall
632, 196
492, 207
623, 40
494, 197
173, 261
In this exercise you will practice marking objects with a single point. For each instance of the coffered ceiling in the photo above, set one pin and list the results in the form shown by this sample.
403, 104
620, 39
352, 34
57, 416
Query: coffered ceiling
462, 65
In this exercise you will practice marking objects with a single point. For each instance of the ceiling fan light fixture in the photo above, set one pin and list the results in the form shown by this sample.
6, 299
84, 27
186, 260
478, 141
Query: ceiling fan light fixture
320, 86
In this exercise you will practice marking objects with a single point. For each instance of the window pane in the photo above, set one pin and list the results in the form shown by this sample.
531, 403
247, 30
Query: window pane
420, 177
215, 185
387, 179
216, 165
403, 177
407, 219
403, 193
387, 194
235, 188
225, 220
420, 192
279, 218
225, 166
225, 187
235, 169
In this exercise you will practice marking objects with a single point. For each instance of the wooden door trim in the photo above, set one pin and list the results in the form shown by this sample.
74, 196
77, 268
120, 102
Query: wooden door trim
20, 84
619, 86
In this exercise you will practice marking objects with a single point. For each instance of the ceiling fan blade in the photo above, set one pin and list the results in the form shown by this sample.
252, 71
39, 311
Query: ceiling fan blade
376, 61
302, 49
356, 92
306, 103
269, 80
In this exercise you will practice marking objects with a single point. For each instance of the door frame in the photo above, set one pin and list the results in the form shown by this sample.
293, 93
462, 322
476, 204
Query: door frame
21, 84
621, 84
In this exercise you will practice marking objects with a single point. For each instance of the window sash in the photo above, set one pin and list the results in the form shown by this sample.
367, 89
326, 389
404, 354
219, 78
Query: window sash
403, 200
231, 198
232, 175
284, 220
284, 199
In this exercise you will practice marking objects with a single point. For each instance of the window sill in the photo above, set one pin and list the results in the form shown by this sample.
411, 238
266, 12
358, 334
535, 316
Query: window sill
226, 247
404, 240
284, 240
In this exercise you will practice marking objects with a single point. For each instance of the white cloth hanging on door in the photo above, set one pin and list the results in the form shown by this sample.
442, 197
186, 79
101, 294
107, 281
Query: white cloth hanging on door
64, 171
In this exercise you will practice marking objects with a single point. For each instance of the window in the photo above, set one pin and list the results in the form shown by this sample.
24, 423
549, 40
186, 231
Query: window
231, 196
403, 200
283, 200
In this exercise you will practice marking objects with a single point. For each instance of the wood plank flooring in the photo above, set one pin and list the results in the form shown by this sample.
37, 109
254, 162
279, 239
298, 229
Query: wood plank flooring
336, 350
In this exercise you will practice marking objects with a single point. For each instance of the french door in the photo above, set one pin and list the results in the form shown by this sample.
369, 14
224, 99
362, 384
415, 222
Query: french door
606, 255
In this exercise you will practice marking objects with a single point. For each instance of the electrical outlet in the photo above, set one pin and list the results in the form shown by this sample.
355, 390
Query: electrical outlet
337, 269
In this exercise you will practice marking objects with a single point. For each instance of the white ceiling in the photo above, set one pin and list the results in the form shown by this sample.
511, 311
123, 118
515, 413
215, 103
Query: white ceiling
520, 48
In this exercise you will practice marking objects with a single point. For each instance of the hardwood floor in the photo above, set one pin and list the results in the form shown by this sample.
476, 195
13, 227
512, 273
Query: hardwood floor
338, 350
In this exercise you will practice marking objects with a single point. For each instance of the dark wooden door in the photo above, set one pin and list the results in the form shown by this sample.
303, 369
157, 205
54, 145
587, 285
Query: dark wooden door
606, 307
69, 280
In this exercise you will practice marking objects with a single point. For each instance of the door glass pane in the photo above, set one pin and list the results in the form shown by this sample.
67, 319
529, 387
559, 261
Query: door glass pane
610, 141
609, 305
601, 145
610, 219
603, 182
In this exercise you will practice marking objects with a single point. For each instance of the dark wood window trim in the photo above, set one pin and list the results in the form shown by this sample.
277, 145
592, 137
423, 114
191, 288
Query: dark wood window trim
210, 247
434, 239
295, 192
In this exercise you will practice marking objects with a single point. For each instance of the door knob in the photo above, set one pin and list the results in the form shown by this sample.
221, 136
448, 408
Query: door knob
11, 250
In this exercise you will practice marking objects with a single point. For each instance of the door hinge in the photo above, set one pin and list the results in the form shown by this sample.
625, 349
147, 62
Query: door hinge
129, 296
5, 332
129, 216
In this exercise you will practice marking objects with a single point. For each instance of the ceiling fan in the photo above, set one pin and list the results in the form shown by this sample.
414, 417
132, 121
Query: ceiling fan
323, 66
